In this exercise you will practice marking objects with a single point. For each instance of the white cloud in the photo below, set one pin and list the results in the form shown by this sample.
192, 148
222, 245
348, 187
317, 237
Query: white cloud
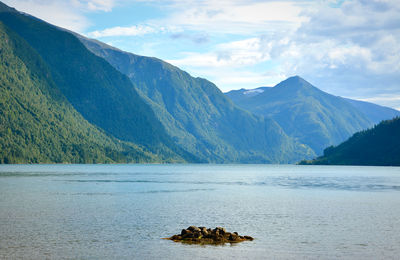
69, 14
225, 16
389, 100
227, 78
98, 5
231, 65
57, 12
373, 25
124, 31
246, 79
235, 16
350, 49
232, 54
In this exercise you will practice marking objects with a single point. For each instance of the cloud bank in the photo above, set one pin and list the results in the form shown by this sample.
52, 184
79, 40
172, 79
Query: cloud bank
349, 48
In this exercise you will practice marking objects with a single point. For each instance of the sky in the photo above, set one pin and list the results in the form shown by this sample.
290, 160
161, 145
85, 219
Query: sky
348, 48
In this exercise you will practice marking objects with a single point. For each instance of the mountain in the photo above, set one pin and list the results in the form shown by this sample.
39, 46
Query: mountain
375, 113
101, 94
376, 146
313, 117
38, 124
197, 115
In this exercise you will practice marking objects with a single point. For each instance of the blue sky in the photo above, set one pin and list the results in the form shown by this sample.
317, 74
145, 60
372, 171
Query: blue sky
347, 48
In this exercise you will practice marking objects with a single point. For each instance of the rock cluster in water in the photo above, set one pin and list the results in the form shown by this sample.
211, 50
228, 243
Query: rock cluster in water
202, 235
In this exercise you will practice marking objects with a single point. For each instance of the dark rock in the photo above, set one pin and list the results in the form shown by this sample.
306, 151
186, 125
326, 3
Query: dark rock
193, 228
203, 230
188, 234
248, 238
233, 237
176, 237
197, 234
221, 230
202, 235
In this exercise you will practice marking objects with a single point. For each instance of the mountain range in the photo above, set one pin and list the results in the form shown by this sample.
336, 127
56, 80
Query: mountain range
308, 114
69, 99
192, 121
198, 116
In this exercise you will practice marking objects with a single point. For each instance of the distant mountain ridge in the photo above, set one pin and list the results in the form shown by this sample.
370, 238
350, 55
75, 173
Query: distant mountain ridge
379, 146
197, 114
173, 116
314, 117
374, 112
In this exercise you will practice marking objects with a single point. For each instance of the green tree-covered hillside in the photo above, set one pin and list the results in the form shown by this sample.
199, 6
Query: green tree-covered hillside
37, 123
379, 145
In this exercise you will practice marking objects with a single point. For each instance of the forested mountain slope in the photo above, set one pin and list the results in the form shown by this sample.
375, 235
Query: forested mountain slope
197, 114
38, 124
104, 96
376, 146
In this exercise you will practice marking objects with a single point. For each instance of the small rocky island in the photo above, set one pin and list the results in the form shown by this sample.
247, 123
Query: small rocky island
202, 235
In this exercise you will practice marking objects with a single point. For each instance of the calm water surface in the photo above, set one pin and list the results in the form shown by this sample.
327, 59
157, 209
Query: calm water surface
122, 211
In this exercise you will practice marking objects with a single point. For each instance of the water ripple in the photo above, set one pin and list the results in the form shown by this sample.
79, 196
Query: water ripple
344, 183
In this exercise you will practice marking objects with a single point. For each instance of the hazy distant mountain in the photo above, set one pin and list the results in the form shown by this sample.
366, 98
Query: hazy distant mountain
306, 113
101, 94
197, 114
377, 146
374, 112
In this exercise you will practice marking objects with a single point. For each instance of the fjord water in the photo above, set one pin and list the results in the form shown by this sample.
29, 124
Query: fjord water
123, 211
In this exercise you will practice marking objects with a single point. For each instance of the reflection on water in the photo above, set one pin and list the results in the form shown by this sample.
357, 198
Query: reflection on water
122, 211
